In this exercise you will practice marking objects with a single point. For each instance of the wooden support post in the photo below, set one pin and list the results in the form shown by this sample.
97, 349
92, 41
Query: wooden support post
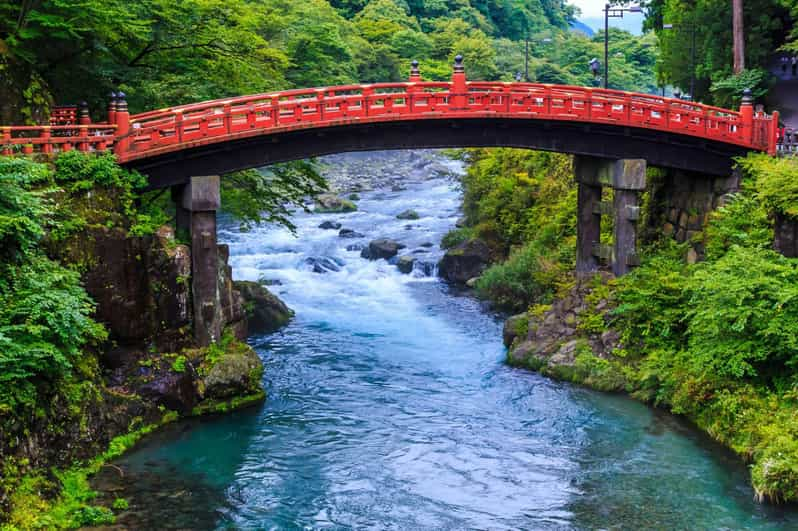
628, 180
201, 198
588, 217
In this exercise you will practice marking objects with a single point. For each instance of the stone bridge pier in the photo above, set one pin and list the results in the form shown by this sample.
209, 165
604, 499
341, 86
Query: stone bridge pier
627, 178
196, 203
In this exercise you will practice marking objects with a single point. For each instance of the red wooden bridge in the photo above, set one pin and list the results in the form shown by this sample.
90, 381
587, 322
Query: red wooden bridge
580, 120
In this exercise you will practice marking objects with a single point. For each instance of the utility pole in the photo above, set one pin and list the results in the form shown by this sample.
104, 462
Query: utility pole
738, 36
607, 43
526, 58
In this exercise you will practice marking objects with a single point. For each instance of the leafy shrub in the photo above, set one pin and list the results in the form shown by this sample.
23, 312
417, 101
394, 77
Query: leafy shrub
527, 276
743, 313
455, 237
775, 181
743, 221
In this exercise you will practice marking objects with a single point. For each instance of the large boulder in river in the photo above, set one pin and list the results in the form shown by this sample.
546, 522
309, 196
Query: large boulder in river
465, 261
405, 264
381, 248
408, 214
331, 203
265, 312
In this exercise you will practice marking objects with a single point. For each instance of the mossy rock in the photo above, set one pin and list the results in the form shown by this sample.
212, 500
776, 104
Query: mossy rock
408, 214
332, 204
237, 372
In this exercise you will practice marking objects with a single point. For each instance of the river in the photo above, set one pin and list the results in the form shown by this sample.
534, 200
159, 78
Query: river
390, 407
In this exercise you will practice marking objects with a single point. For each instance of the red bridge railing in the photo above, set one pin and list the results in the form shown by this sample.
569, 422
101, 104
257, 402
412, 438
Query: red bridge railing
173, 129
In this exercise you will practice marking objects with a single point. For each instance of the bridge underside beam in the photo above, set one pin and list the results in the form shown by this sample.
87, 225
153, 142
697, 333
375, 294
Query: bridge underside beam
661, 149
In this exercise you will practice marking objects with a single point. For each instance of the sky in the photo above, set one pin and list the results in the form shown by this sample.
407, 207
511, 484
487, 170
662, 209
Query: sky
593, 15
590, 8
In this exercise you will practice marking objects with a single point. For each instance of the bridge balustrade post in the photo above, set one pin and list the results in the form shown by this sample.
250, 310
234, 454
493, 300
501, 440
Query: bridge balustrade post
46, 136
83, 117
628, 180
747, 116
122, 118
459, 86
199, 201
112, 108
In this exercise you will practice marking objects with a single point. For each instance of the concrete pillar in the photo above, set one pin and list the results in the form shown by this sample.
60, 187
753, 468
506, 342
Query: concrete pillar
628, 180
201, 199
588, 213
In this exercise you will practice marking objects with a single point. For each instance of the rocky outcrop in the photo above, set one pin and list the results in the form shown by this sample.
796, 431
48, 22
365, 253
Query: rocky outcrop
331, 203
330, 225
381, 248
552, 338
265, 312
465, 261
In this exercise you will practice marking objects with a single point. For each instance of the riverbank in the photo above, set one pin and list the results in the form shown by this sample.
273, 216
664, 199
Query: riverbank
95, 332
702, 329
391, 405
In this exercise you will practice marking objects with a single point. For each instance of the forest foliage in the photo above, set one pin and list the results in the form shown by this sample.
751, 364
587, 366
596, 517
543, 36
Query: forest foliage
164, 53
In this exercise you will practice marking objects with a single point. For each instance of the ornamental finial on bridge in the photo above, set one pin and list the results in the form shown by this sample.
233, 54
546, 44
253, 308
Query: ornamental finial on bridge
112, 107
458, 63
748, 97
121, 104
415, 75
83, 113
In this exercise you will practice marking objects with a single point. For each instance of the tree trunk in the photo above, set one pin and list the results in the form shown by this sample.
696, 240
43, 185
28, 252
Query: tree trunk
739, 36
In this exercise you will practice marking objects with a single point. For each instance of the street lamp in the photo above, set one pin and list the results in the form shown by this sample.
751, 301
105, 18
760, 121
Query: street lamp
691, 27
526, 54
613, 12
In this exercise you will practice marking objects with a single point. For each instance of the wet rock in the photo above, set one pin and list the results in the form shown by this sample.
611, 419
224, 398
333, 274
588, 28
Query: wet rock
325, 264
515, 327
265, 312
405, 264
327, 225
331, 203
397, 188
420, 251
427, 244
349, 233
381, 248
355, 247
460, 223
408, 214
173, 390
465, 261
236, 373
270, 282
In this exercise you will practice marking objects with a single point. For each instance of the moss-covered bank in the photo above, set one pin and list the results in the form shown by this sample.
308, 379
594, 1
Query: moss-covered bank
705, 328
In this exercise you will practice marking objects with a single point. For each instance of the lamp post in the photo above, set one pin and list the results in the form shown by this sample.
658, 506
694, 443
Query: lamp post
691, 27
613, 12
526, 54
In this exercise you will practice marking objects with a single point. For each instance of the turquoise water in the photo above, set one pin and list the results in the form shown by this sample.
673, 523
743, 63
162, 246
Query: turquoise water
389, 407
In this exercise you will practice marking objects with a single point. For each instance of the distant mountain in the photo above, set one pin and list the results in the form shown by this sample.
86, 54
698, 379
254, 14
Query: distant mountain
577, 25
631, 22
